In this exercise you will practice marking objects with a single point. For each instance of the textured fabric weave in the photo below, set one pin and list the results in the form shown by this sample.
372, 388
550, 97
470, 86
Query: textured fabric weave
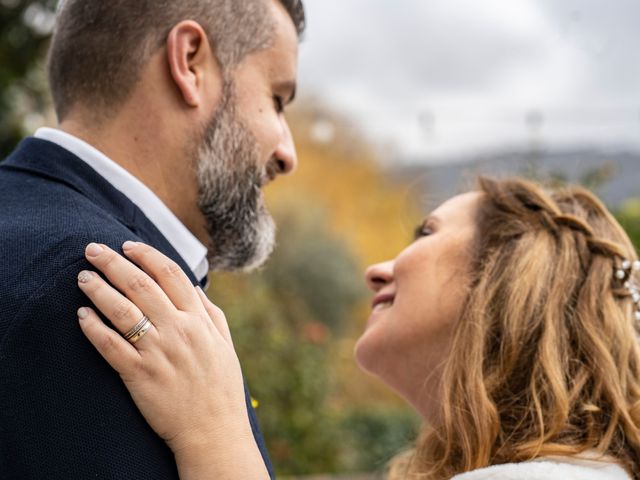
64, 413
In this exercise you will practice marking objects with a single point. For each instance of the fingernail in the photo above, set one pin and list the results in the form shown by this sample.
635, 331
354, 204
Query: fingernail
84, 277
129, 245
83, 313
93, 250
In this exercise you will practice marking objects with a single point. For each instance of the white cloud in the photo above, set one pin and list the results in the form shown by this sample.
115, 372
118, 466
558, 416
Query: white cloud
471, 70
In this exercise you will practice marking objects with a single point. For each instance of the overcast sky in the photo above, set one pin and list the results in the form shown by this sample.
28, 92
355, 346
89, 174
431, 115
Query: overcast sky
441, 78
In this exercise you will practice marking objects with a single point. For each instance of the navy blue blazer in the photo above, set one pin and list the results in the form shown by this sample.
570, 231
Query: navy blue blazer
64, 413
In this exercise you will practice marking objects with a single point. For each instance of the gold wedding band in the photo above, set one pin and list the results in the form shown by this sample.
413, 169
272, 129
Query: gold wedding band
138, 330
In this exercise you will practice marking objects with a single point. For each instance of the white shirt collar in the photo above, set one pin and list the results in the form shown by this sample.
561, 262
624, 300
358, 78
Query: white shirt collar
193, 252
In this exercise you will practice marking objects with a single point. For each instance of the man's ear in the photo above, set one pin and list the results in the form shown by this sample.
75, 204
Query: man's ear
192, 62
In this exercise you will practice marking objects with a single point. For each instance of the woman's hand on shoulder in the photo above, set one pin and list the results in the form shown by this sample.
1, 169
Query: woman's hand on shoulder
178, 363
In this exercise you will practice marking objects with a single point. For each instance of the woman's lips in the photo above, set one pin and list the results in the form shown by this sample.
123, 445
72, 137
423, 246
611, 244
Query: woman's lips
382, 301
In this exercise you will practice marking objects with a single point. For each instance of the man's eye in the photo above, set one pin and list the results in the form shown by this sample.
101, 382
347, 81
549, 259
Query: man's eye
279, 103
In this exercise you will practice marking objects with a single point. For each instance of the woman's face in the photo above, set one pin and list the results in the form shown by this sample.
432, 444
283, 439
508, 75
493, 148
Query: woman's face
418, 299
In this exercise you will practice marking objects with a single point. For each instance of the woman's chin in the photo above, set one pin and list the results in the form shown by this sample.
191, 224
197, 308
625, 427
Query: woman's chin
366, 353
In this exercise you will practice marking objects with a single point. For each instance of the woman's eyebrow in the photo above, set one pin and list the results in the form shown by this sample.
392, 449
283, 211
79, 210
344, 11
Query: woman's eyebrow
431, 219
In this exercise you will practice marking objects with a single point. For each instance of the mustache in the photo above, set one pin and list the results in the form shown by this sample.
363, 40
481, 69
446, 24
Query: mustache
270, 171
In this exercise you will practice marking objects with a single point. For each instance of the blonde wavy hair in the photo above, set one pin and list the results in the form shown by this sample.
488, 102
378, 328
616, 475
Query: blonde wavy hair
545, 359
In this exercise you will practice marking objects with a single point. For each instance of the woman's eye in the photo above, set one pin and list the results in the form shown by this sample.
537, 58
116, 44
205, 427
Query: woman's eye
423, 231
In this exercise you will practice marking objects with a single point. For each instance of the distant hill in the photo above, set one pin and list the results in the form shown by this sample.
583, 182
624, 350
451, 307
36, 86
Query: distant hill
614, 176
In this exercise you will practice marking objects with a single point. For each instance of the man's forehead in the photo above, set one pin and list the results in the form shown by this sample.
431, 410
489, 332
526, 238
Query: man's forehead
280, 58
285, 38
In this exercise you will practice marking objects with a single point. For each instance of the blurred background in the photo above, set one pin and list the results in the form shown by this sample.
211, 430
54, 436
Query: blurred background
400, 105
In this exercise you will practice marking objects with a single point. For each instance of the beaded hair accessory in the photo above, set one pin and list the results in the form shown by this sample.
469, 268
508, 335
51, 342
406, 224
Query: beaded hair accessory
624, 273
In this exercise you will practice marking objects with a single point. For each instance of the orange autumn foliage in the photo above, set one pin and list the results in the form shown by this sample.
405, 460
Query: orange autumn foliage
371, 212
366, 208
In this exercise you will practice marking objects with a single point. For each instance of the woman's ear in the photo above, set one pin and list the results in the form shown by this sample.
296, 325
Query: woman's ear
192, 62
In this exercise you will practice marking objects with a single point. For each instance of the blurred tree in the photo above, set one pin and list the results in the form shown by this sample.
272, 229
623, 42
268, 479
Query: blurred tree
283, 320
596, 177
342, 172
311, 265
629, 216
295, 322
25, 27
373, 436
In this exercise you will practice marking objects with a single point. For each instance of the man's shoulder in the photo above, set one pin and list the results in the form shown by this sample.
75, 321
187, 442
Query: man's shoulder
45, 229
57, 395
47, 221
46, 186
39, 275
31, 201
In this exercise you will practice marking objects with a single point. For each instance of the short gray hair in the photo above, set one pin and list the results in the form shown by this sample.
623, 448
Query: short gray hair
99, 47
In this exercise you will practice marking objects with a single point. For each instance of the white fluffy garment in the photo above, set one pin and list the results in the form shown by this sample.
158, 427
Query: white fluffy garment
549, 469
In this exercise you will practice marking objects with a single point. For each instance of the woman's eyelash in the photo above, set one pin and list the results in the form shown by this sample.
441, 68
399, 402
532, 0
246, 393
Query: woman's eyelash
422, 231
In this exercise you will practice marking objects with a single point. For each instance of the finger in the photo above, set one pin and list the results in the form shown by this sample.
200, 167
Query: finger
119, 353
123, 313
135, 284
216, 315
166, 272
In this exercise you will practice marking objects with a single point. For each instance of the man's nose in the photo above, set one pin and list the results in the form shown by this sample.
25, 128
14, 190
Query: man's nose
285, 154
379, 275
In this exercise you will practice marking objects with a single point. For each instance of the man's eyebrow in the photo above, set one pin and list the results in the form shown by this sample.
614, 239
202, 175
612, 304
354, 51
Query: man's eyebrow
287, 86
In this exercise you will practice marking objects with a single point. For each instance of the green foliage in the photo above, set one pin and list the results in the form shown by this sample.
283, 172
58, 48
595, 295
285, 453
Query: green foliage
286, 320
310, 265
598, 176
283, 319
24, 30
371, 437
629, 217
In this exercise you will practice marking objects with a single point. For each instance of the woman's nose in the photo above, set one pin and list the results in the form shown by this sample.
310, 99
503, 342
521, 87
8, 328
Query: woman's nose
379, 275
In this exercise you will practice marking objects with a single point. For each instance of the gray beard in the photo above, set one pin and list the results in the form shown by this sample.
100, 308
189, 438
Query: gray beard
241, 229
